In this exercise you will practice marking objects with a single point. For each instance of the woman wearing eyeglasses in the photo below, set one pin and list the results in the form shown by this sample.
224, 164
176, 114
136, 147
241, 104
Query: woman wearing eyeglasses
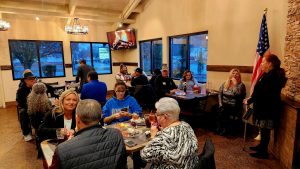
121, 106
176, 145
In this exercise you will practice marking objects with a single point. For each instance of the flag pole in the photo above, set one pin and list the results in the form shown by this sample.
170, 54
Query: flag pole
266, 11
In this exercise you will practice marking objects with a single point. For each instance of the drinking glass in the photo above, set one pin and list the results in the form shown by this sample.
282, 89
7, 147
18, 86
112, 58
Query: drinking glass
147, 121
152, 118
60, 134
135, 116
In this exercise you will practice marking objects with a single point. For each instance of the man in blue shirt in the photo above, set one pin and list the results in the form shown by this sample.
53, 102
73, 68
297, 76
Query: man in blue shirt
94, 89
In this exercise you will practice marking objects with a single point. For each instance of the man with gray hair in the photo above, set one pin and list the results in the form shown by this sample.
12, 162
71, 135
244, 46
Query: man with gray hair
175, 145
92, 147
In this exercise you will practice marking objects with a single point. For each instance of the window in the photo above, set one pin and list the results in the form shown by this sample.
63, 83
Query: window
189, 52
151, 55
96, 55
44, 58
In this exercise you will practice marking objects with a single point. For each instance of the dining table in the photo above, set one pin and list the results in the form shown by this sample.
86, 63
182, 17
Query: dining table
141, 140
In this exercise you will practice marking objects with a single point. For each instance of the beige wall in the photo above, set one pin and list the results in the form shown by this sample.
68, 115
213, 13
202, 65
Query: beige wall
232, 25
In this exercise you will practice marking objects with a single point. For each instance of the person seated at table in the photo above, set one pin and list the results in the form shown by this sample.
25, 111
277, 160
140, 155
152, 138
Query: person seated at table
38, 105
175, 145
123, 75
121, 106
188, 81
95, 146
231, 95
156, 72
94, 89
139, 78
62, 116
23, 91
164, 84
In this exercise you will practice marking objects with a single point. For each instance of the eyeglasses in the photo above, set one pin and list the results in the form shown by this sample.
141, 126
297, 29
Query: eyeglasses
120, 91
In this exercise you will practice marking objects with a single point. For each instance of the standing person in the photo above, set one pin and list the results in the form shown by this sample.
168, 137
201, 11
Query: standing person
188, 81
139, 78
94, 89
231, 95
175, 145
93, 146
123, 75
121, 106
28, 81
61, 117
267, 102
82, 72
164, 84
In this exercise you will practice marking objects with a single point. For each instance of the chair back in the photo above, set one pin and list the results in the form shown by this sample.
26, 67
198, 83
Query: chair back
145, 95
51, 83
206, 158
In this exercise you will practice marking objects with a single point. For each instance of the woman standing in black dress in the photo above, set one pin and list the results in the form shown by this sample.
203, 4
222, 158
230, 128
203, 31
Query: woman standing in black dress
267, 102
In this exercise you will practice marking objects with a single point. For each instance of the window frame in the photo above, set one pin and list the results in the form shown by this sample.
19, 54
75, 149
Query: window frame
151, 53
37, 42
91, 52
188, 51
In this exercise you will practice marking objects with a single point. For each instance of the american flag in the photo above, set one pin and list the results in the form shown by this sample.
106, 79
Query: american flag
261, 51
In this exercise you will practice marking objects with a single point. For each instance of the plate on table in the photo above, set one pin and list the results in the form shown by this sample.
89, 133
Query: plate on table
180, 93
130, 133
139, 121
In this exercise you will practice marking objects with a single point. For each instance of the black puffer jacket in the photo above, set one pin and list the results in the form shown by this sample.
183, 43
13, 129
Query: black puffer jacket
93, 148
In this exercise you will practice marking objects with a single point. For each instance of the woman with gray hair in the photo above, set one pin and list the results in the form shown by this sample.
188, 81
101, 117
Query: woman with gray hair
175, 145
38, 104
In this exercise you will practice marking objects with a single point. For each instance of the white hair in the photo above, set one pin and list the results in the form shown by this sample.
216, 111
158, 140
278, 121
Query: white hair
167, 105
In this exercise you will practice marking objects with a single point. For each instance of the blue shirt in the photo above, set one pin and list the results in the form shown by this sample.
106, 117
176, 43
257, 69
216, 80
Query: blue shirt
94, 90
114, 105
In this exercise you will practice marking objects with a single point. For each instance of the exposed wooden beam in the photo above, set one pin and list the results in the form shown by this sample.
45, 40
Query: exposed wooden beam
33, 6
64, 14
129, 8
72, 7
138, 9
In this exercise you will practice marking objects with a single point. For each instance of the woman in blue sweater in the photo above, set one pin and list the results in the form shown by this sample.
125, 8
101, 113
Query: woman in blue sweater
121, 106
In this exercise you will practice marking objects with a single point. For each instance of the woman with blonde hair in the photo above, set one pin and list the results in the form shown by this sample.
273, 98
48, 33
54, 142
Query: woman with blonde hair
231, 95
61, 117
38, 104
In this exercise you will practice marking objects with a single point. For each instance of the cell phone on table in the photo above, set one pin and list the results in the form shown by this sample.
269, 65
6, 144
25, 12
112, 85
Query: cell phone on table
124, 109
130, 143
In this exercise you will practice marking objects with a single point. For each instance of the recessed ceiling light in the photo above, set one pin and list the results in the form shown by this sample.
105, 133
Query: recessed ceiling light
37, 18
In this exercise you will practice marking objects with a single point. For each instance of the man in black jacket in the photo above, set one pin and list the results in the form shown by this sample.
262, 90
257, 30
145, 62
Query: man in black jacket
82, 72
164, 84
28, 81
92, 147
139, 78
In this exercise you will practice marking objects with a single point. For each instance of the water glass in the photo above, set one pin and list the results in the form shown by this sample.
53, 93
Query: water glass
60, 134
147, 121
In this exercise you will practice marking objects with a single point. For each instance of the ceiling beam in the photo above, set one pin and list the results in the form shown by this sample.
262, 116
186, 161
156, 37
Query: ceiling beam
33, 6
72, 7
64, 15
129, 8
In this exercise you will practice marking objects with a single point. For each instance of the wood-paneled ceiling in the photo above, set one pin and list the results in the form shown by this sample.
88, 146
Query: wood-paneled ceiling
106, 12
